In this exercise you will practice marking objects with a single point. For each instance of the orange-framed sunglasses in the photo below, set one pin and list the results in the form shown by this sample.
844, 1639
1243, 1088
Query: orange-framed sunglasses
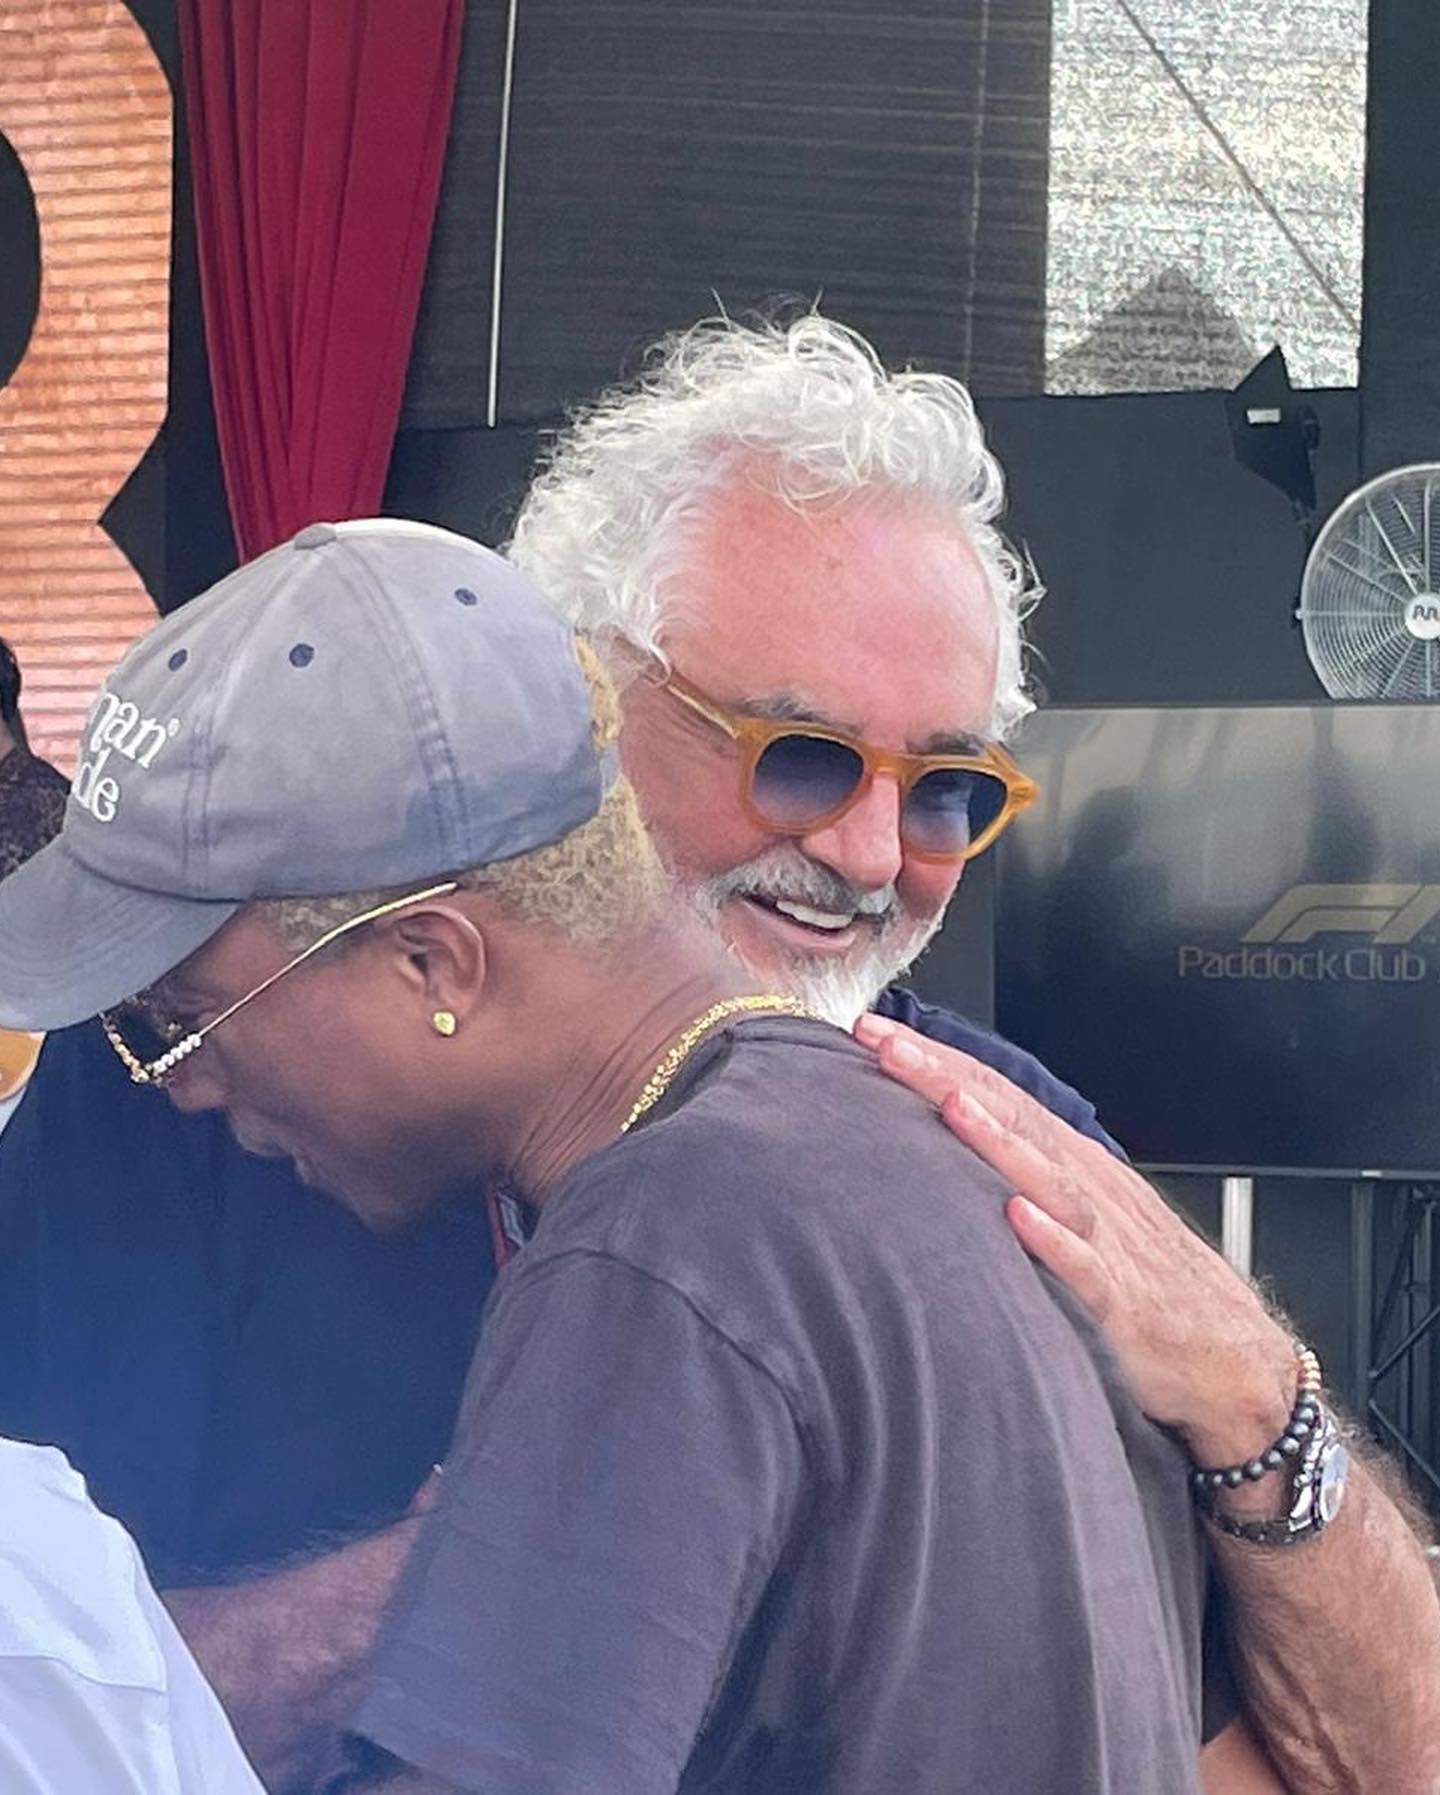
796, 778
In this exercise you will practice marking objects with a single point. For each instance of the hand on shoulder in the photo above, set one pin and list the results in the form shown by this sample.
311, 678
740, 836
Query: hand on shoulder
1196, 1344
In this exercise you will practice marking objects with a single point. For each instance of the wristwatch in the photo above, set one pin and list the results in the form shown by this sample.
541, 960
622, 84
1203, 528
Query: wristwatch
1316, 1493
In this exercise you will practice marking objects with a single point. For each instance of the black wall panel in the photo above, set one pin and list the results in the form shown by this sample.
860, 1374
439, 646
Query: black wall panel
1400, 339
662, 155
1172, 572
448, 383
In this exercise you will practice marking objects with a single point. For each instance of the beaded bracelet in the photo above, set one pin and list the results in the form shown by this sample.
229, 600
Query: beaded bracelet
1304, 1418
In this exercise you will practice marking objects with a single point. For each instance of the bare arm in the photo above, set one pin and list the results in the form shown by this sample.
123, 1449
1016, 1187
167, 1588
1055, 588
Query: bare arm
1233, 1764
1337, 1646
283, 1652
1336, 1640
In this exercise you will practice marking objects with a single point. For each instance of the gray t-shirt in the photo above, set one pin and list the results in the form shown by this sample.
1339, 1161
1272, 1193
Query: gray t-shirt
780, 1468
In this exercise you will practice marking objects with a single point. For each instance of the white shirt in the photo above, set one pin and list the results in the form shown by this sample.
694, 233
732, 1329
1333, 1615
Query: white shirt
8, 1106
98, 1693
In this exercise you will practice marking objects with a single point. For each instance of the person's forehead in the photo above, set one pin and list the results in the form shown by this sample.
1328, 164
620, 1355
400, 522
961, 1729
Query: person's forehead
872, 615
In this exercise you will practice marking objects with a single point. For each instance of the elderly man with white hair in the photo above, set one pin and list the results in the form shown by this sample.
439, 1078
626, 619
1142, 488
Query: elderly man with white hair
788, 558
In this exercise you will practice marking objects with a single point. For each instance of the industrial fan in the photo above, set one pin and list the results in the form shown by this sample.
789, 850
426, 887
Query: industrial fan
1370, 598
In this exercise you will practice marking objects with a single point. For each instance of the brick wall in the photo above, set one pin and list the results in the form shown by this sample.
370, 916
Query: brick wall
86, 107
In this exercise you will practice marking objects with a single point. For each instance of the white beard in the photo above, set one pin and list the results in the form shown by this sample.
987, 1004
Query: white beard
840, 988
843, 989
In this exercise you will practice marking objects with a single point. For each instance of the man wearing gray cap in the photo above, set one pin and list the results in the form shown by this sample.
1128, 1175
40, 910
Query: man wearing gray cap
806, 541
779, 1466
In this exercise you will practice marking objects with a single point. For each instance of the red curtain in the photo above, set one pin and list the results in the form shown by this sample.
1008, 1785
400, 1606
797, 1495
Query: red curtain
317, 135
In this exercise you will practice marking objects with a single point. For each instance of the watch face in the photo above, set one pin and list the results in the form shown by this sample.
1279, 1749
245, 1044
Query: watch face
1333, 1473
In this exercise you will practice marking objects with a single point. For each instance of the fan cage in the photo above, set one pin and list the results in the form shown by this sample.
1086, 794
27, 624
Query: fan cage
1370, 599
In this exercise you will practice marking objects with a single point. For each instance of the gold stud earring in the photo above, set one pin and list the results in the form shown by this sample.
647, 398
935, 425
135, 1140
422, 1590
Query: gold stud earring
443, 1022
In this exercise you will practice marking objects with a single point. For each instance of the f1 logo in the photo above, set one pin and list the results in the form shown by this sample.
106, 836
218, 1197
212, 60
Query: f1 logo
1390, 914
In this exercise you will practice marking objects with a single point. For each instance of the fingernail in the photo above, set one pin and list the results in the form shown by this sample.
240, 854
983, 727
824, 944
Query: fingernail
873, 1029
905, 1053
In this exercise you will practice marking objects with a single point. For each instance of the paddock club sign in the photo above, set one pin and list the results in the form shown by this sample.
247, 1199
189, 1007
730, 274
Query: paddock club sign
1362, 934
1222, 924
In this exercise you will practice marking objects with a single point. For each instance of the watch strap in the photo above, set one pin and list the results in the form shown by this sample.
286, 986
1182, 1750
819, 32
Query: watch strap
1316, 1494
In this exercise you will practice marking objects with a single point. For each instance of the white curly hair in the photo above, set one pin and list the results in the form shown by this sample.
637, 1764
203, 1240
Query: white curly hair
806, 406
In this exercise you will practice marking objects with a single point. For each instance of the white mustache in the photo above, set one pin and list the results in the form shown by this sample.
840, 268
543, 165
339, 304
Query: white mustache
840, 987
804, 882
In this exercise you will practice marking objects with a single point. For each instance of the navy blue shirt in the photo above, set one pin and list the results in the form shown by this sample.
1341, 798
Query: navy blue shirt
237, 1365
239, 1368
1019, 1067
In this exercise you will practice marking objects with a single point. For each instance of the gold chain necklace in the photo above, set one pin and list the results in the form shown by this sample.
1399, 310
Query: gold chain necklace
659, 1081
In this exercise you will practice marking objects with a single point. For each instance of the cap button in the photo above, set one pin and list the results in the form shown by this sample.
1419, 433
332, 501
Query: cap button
315, 536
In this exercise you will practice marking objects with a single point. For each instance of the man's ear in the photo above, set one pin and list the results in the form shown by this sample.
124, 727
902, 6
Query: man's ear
439, 954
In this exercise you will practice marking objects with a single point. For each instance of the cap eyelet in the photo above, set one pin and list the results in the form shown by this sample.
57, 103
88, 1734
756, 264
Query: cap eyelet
301, 655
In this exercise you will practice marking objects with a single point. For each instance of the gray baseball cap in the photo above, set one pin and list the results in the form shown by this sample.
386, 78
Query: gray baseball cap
370, 704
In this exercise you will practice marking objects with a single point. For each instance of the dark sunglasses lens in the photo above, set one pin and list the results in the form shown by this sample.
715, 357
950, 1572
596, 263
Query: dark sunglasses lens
800, 778
951, 807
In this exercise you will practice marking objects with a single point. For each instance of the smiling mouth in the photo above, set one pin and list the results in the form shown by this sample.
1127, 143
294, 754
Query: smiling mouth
822, 925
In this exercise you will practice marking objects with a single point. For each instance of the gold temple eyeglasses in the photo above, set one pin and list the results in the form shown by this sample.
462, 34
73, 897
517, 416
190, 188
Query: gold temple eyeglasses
175, 1044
